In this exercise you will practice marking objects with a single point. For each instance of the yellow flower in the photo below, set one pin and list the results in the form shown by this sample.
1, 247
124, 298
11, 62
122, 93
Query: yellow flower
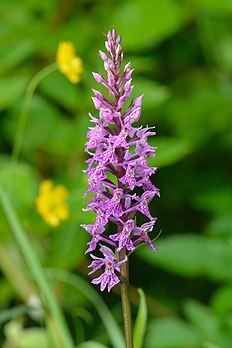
51, 204
69, 64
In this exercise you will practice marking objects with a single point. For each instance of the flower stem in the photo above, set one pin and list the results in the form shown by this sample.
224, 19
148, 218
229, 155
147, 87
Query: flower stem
126, 309
25, 108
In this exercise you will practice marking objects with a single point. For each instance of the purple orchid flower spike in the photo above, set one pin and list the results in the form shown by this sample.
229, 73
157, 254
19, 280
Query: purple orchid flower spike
117, 166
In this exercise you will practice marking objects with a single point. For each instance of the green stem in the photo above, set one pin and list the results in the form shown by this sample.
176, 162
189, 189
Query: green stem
126, 309
25, 108
36, 270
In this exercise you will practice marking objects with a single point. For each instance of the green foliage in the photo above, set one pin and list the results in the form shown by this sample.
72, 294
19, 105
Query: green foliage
11, 88
12, 54
141, 321
59, 89
34, 337
108, 320
171, 333
36, 270
186, 255
181, 52
20, 182
91, 344
203, 318
154, 94
170, 150
135, 20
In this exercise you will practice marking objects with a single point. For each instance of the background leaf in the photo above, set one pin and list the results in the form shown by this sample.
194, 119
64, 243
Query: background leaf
141, 321
11, 88
171, 333
169, 150
91, 344
185, 255
135, 20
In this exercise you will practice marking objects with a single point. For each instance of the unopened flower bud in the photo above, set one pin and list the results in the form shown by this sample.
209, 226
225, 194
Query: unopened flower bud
127, 85
121, 101
103, 55
97, 103
111, 79
138, 101
98, 95
98, 77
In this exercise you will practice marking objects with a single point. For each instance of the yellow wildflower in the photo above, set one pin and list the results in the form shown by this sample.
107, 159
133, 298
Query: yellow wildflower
51, 204
69, 64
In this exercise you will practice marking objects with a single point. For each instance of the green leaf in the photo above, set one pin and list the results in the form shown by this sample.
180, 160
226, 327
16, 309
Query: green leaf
216, 200
69, 244
154, 93
192, 255
222, 300
91, 344
215, 332
6, 289
223, 7
141, 64
220, 227
20, 182
10, 313
11, 88
201, 114
62, 91
141, 321
13, 268
37, 5
35, 337
203, 318
36, 269
11, 54
46, 117
171, 333
20, 338
107, 318
135, 21
169, 150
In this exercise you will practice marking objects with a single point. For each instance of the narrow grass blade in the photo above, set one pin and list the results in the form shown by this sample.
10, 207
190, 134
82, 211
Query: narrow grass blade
36, 270
107, 318
10, 313
141, 321
13, 270
91, 344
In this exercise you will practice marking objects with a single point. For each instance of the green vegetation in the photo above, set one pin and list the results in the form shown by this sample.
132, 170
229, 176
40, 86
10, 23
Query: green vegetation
182, 55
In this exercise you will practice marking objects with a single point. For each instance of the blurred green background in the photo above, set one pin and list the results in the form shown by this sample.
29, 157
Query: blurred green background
182, 55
